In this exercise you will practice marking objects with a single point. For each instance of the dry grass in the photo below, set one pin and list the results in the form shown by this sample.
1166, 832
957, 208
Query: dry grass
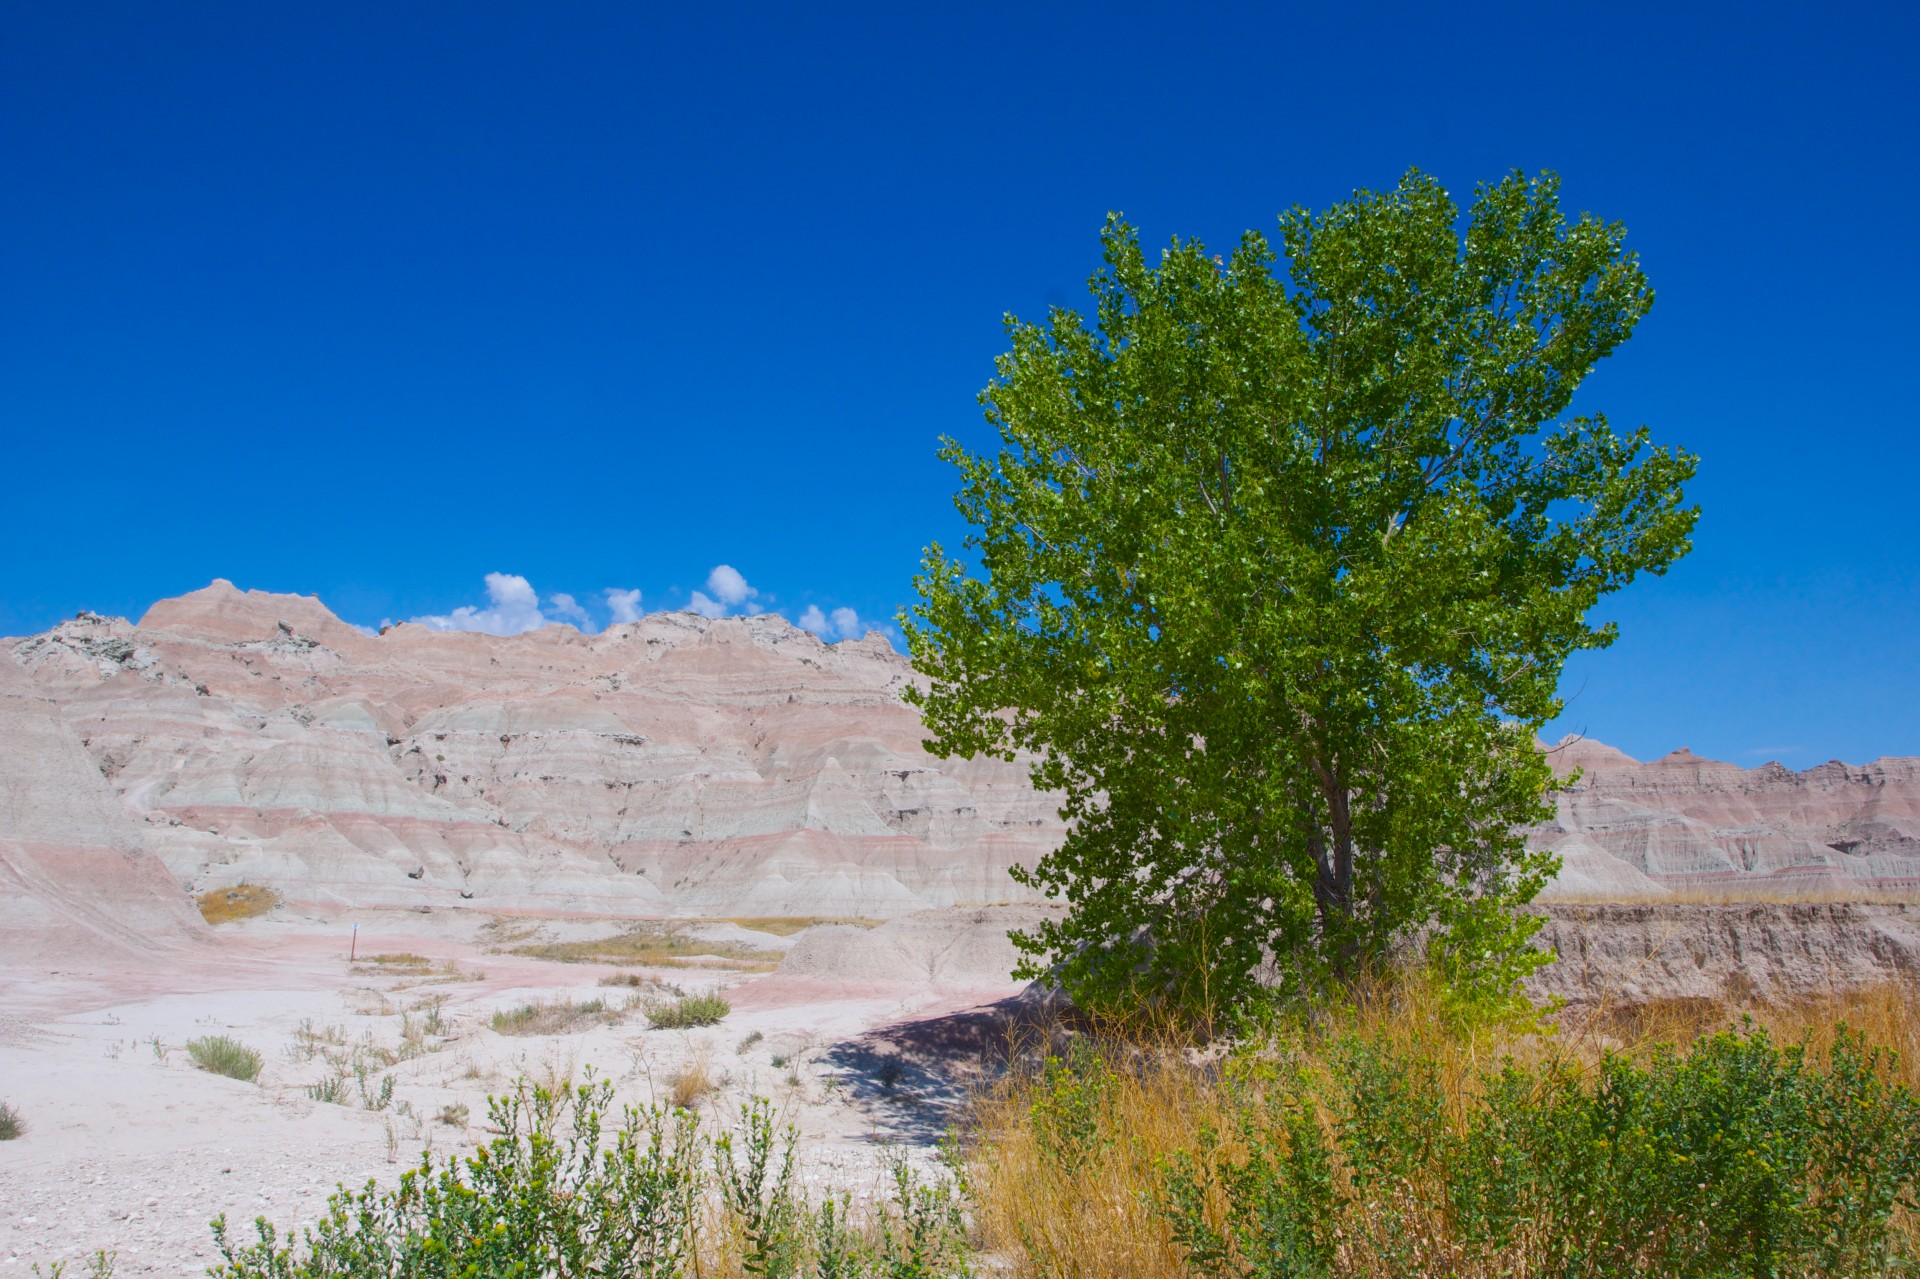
640, 981
1097, 1219
655, 945
395, 964
244, 901
788, 925
1887, 1015
557, 1017
692, 1082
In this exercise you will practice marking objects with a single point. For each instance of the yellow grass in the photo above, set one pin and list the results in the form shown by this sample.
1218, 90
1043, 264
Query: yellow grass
654, 945
692, 1082
788, 925
1099, 1219
226, 905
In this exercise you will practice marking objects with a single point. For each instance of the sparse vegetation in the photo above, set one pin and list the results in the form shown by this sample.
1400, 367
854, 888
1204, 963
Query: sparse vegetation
687, 1011
225, 1056
555, 1017
752, 1037
655, 944
332, 1089
453, 1116
649, 1195
244, 901
99, 1266
398, 963
788, 925
641, 981
692, 1082
12, 1126
1396, 1139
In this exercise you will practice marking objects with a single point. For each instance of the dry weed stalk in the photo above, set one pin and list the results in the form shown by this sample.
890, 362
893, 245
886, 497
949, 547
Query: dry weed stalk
1094, 1213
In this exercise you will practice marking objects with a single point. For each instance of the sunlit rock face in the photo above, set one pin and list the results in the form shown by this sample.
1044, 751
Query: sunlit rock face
677, 764
1626, 828
77, 880
682, 765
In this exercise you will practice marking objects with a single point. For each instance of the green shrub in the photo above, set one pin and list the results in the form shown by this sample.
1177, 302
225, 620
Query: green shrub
688, 1010
224, 1056
11, 1124
1739, 1157
548, 1196
565, 1191
1069, 1103
332, 1090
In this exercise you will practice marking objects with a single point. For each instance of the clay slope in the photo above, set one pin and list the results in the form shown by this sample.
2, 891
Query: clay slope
672, 765
1680, 821
77, 882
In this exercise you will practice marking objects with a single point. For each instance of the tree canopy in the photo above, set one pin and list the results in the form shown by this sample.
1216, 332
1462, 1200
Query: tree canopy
1274, 577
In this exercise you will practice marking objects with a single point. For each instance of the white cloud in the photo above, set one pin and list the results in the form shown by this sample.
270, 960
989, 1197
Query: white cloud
842, 623
728, 586
565, 606
706, 607
625, 604
513, 607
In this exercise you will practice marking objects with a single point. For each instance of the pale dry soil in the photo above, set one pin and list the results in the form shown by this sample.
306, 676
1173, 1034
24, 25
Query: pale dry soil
132, 1149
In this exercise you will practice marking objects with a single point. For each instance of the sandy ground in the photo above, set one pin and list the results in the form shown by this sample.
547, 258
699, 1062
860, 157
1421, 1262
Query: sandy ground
131, 1148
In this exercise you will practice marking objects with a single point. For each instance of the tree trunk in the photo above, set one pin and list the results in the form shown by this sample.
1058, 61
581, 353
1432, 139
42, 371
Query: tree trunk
1333, 880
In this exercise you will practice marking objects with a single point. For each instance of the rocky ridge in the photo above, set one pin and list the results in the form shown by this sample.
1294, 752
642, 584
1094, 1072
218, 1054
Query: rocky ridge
680, 765
1632, 829
675, 765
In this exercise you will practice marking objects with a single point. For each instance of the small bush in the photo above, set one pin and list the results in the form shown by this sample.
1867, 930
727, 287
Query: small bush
11, 1124
752, 1038
332, 1090
559, 1017
687, 1011
453, 1116
225, 905
224, 1056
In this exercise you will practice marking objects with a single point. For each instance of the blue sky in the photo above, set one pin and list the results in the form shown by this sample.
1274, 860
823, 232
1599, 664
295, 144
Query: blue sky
373, 301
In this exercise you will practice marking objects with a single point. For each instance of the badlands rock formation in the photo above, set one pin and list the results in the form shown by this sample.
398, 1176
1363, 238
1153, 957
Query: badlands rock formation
75, 875
1629, 829
1633, 953
672, 765
675, 765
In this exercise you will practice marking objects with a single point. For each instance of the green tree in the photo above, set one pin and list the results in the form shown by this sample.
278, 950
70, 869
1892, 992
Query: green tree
1276, 579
